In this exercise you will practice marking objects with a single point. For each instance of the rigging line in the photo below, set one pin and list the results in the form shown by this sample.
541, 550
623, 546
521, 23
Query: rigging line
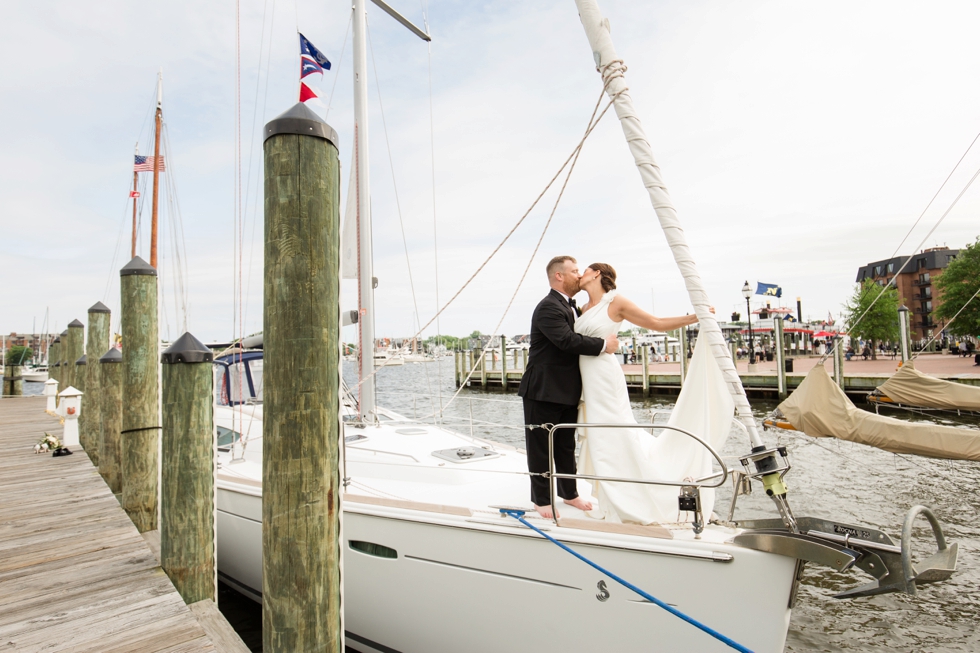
251, 148
537, 246
394, 185
432, 161
891, 281
239, 226
593, 121
933, 338
943, 185
510, 233
343, 49
179, 245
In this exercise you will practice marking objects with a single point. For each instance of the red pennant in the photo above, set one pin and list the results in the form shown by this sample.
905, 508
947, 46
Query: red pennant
305, 93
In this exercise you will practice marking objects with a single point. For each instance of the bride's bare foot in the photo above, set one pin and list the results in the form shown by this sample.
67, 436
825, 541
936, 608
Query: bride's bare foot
580, 503
544, 511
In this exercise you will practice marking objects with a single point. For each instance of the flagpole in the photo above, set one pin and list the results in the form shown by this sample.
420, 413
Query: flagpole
136, 178
156, 170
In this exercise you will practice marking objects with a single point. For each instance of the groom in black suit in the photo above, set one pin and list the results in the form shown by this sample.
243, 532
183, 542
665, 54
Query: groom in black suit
552, 385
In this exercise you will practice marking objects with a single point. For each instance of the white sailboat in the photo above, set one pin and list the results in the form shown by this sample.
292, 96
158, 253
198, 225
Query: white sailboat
432, 564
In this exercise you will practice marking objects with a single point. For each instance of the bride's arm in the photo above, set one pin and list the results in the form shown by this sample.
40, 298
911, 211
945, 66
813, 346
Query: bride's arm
623, 309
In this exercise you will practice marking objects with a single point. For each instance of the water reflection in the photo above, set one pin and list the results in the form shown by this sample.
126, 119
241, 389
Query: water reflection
830, 478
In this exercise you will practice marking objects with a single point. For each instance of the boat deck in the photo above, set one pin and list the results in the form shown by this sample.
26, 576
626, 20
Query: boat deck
75, 574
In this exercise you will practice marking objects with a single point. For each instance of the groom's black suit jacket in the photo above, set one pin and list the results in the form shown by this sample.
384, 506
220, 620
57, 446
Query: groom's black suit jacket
552, 372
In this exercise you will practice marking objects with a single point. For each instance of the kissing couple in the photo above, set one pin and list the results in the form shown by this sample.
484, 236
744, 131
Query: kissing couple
573, 377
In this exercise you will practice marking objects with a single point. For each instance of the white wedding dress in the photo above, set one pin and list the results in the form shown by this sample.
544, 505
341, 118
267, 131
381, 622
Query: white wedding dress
704, 408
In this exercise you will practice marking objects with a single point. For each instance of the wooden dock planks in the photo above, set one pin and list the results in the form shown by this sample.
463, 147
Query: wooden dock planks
74, 572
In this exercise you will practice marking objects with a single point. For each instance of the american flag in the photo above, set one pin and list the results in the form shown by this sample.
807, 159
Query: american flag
145, 164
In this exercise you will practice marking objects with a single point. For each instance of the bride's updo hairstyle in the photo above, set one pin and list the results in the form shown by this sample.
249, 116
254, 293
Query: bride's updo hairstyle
607, 275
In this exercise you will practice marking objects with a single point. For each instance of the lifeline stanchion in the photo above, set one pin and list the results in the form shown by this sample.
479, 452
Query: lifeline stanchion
519, 516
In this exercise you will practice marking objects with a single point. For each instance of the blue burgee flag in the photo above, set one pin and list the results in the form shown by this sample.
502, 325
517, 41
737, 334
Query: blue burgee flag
769, 289
307, 49
308, 67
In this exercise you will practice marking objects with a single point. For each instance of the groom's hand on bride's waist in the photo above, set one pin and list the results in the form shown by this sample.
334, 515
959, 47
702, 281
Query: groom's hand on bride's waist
612, 344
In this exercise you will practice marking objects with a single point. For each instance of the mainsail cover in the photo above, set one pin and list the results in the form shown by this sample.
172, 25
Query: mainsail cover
912, 387
820, 408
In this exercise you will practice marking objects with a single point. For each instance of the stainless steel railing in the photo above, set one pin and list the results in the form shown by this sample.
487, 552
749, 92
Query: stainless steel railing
722, 475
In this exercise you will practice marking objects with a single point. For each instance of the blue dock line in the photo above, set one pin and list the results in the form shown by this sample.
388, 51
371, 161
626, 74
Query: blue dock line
519, 516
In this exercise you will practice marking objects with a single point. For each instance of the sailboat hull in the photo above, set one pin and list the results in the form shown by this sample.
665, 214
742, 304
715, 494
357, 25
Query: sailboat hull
432, 583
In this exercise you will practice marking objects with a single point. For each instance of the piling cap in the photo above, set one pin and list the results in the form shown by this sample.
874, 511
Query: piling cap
58, 364
903, 309
300, 119
70, 392
65, 332
56, 340
99, 307
75, 324
187, 349
137, 266
82, 361
111, 356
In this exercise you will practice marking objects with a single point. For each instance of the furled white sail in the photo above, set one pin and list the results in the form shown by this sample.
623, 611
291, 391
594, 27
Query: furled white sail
911, 387
612, 69
820, 409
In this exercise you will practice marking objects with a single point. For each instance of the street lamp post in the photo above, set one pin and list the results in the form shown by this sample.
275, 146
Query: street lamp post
747, 293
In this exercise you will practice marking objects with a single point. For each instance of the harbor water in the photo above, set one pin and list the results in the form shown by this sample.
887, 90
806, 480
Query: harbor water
831, 479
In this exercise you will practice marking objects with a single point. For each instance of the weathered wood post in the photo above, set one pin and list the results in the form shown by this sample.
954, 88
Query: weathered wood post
780, 357
483, 368
456, 366
53, 360
80, 365
838, 362
110, 415
73, 350
905, 345
13, 382
645, 362
301, 609
523, 360
503, 361
141, 393
90, 423
682, 338
187, 480
63, 361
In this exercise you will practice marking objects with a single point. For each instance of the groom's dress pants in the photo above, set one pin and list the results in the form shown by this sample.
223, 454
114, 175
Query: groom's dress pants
546, 412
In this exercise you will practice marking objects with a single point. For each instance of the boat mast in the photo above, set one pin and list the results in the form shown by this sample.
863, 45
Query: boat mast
156, 170
136, 179
365, 261
365, 264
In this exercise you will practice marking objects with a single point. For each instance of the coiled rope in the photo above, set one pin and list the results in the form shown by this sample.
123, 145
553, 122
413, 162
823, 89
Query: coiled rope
519, 516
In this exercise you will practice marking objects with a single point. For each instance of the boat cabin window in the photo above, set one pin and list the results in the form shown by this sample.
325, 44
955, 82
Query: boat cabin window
226, 437
238, 382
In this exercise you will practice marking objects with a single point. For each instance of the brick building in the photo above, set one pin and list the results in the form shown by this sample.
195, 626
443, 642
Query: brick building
36, 341
915, 284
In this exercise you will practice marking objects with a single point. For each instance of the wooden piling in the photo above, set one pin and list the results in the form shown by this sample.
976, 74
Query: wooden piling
838, 361
90, 422
524, 359
301, 609
187, 551
456, 367
483, 368
110, 416
141, 393
682, 340
73, 350
503, 361
53, 360
780, 357
13, 382
646, 369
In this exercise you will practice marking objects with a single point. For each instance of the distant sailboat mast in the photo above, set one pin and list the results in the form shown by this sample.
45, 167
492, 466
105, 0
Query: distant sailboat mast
135, 196
156, 170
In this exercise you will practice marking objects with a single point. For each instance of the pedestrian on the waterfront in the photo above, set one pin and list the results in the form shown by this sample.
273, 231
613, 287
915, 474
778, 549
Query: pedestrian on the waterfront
849, 354
552, 384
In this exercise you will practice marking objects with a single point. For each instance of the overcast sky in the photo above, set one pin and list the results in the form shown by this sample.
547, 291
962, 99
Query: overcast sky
799, 141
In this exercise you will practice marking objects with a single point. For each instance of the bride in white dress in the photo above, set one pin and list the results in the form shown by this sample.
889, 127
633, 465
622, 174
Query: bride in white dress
623, 452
